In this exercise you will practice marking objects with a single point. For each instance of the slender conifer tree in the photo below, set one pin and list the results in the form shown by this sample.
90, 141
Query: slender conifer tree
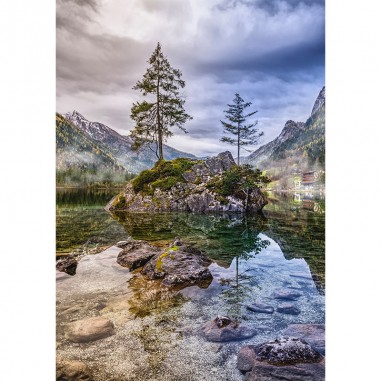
244, 134
165, 108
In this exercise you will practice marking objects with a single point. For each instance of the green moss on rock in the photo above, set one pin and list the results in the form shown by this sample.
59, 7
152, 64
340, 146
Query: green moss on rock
164, 175
120, 202
167, 252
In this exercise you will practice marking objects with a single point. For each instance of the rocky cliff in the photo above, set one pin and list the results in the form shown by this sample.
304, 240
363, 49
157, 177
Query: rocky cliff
299, 145
320, 101
199, 186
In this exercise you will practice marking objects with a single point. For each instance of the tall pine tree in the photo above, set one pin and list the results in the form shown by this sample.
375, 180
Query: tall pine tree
165, 109
243, 134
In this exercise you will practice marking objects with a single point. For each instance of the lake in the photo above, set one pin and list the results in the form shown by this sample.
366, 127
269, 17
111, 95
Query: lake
157, 330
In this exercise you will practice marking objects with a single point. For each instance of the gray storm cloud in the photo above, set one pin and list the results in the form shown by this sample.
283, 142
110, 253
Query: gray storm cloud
271, 52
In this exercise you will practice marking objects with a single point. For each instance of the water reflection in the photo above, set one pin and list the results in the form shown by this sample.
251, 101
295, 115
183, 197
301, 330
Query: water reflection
156, 327
295, 221
222, 237
82, 224
72, 197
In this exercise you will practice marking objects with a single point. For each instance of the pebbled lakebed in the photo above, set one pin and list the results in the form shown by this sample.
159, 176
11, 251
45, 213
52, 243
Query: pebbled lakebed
157, 330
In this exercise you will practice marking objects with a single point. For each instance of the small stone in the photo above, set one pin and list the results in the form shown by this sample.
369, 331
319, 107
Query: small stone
220, 330
222, 321
261, 308
90, 329
245, 358
122, 244
71, 370
177, 242
286, 294
288, 308
67, 265
71, 310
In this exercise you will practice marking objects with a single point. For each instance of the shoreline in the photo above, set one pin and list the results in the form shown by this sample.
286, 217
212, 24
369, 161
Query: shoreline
295, 191
90, 187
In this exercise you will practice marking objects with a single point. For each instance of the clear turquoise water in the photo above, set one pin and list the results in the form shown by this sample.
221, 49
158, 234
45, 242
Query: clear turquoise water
155, 328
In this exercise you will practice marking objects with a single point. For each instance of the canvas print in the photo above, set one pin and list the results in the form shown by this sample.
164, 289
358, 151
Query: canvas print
190, 191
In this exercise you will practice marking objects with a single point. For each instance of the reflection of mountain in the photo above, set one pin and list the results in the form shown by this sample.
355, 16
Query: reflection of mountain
298, 228
223, 237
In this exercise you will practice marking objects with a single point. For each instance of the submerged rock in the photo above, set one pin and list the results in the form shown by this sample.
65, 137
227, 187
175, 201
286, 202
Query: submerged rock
72, 370
136, 254
192, 192
246, 358
90, 329
288, 308
223, 329
313, 334
67, 265
260, 308
180, 266
282, 359
286, 294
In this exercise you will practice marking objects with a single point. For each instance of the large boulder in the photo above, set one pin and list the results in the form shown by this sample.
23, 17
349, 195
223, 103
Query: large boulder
136, 254
286, 359
90, 329
72, 370
179, 266
220, 163
222, 329
191, 193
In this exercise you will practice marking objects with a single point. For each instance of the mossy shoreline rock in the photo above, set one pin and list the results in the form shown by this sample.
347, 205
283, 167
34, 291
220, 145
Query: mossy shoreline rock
186, 185
136, 254
179, 266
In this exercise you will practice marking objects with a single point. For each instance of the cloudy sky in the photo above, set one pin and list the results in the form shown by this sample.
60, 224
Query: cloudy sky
269, 51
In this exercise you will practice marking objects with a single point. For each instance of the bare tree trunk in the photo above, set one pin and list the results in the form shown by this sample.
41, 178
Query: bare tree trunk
238, 141
236, 270
247, 198
159, 130
160, 135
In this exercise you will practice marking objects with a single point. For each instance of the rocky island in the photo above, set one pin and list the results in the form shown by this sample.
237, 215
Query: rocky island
216, 184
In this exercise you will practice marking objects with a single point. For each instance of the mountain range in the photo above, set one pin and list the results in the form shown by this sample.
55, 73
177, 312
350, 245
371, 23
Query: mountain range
92, 152
299, 147
87, 148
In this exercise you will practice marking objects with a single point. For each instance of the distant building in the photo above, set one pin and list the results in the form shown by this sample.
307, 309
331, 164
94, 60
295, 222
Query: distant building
309, 178
297, 179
